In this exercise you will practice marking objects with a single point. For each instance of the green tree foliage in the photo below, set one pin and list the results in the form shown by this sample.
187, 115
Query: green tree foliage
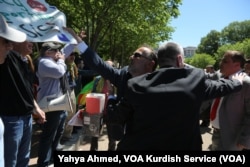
115, 28
235, 32
210, 43
243, 47
188, 60
235, 36
200, 60
246, 48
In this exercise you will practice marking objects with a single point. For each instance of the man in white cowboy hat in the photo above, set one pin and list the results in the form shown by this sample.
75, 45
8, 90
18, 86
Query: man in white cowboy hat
16, 100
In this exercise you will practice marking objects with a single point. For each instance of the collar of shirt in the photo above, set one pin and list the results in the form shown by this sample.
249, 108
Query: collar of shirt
230, 76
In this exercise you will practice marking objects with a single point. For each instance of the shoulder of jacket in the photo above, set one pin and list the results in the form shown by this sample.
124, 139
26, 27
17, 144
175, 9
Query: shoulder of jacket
246, 80
14, 54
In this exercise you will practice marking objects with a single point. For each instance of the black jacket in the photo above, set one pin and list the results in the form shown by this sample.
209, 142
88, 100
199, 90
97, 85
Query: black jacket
16, 97
118, 77
162, 108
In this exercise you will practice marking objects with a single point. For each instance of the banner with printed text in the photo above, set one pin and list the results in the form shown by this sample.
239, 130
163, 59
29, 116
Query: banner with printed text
40, 21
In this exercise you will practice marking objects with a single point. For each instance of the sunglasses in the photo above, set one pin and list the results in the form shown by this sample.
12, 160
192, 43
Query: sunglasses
138, 55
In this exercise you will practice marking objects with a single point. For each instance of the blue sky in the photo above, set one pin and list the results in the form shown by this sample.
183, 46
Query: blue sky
198, 17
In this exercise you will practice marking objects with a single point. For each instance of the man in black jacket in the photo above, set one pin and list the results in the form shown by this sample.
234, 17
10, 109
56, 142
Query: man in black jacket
143, 60
162, 107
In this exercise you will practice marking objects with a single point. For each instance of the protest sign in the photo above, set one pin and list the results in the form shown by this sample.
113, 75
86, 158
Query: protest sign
40, 21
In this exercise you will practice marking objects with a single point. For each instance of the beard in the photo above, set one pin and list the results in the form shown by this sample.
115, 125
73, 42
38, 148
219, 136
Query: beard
132, 70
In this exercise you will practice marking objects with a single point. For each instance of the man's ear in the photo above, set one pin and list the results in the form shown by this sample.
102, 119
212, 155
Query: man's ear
237, 64
152, 63
179, 61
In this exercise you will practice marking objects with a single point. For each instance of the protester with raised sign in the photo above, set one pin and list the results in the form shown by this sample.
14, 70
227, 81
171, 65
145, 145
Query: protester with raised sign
16, 99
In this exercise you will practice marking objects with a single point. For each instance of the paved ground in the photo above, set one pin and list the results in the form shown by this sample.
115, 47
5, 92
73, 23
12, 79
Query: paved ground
83, 144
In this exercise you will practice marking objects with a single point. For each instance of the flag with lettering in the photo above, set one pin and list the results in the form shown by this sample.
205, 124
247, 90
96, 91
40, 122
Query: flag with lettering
39, 20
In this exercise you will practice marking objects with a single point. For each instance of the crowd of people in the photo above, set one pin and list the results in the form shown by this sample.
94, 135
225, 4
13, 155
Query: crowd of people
165, 103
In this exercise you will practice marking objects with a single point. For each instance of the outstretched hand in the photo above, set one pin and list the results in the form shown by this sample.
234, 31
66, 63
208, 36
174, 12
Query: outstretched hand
82, 34
239, 77
77, 37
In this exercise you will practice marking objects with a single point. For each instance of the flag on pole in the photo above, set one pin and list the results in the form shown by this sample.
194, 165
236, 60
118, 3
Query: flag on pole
81, 97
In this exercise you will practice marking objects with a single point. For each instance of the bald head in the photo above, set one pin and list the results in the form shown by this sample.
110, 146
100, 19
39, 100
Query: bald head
171, 54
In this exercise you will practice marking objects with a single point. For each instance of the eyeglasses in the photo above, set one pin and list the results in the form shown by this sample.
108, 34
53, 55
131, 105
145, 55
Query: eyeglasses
138, 55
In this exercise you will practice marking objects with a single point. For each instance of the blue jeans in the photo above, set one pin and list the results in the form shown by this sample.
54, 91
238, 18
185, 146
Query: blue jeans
50, 137
17, 139
1, 143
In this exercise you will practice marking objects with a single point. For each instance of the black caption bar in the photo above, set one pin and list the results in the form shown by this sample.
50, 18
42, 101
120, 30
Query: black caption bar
79, 158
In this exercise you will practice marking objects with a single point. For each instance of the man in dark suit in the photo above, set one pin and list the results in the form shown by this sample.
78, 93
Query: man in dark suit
162, 108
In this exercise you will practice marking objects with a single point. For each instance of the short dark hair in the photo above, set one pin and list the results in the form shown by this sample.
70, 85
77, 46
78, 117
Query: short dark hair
154, 57
236, 56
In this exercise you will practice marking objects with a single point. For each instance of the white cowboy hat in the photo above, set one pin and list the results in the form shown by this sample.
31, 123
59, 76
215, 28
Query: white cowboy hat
9, 32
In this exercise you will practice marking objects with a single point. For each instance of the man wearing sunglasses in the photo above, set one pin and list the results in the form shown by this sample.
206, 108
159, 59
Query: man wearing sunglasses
51, 67
143, 60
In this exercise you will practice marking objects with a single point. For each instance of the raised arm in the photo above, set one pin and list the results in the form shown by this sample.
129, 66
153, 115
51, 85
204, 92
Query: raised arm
95, 62
223, 87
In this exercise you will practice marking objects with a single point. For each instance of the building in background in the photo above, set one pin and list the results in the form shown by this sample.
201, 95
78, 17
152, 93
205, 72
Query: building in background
189, 51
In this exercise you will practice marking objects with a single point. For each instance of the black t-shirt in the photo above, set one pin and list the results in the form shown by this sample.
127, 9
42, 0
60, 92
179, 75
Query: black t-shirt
16, 95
